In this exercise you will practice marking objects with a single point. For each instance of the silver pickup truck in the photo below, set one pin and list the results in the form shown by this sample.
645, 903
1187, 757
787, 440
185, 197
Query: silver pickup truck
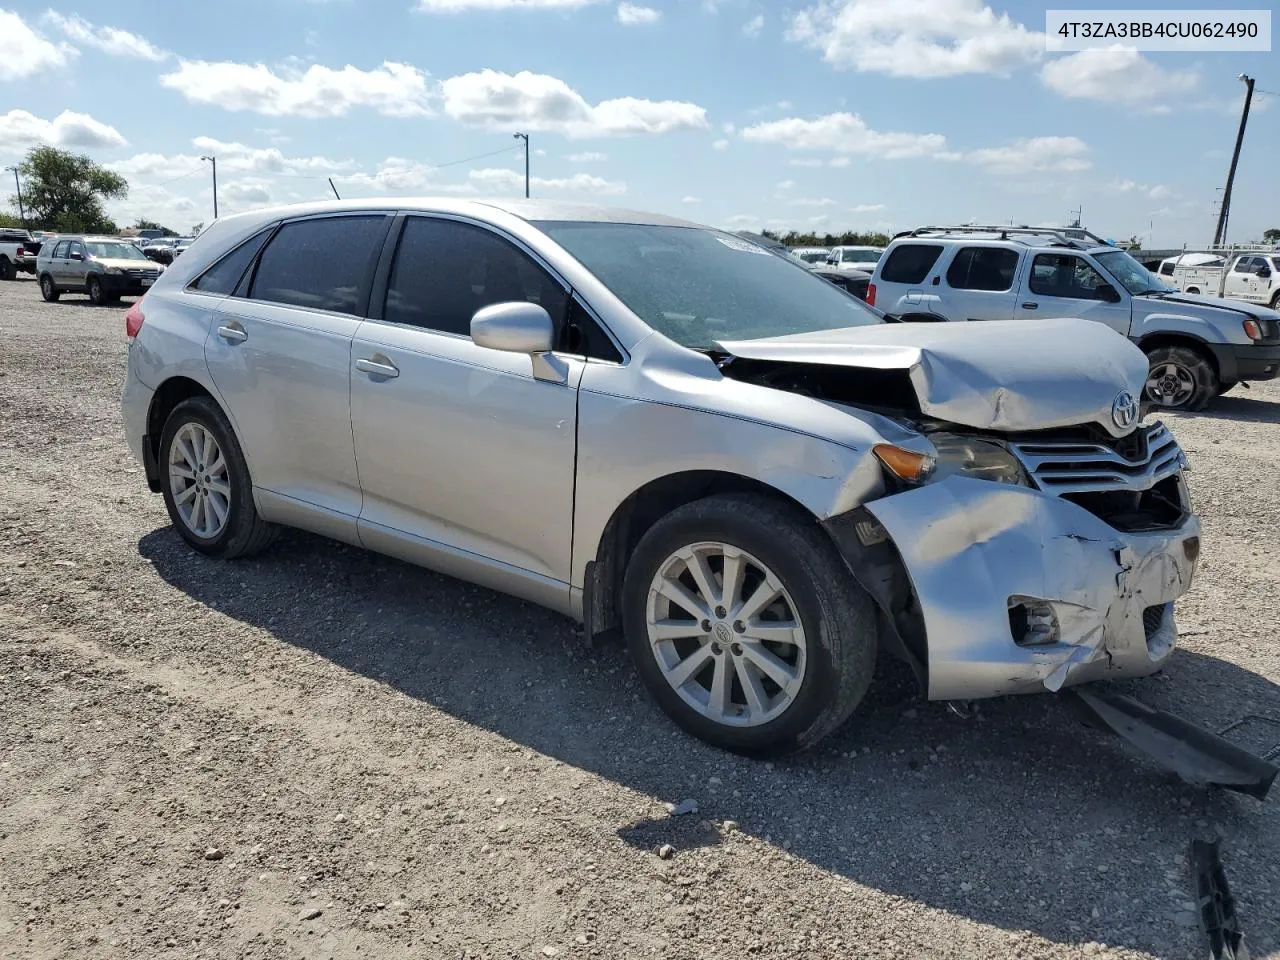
1198, 347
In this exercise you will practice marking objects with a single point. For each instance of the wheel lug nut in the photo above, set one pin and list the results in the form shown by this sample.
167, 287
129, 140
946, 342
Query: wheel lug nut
720, 612
715, 648
737, 649
706, 626
739, 627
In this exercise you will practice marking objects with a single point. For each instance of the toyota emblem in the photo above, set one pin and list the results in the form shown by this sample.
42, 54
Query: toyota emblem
1124, 410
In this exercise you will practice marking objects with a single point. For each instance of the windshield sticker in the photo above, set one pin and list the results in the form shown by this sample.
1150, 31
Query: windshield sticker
742, 246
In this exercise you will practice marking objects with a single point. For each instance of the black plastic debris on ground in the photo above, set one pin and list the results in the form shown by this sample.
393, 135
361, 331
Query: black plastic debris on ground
1257, 734
1214, 904
1197, 755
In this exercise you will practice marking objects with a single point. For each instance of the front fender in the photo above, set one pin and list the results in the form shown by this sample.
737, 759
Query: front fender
1204, 329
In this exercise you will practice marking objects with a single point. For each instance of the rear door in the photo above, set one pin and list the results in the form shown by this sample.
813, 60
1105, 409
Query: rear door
76, 266
979, 283
906, 280
1067, 285
280, 355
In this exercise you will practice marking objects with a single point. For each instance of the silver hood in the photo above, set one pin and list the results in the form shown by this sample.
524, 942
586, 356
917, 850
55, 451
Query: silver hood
1010, 375
1160, 304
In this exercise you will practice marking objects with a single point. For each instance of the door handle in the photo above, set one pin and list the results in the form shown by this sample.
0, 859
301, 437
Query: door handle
1031, 305
233, 333
377, 368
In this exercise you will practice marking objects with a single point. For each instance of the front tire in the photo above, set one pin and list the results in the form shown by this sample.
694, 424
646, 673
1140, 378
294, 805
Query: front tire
206, 484
49, 290
746, 626
97, 292
1180, 378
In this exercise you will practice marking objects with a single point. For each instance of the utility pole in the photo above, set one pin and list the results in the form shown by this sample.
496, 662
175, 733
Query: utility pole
22, 213
525, 138
1220, 234
214, 161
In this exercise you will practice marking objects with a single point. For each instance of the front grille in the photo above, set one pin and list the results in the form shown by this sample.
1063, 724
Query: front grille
1153, 619
141, 273
1079, 464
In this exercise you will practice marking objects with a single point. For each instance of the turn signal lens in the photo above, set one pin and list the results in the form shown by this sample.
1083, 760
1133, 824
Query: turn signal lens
904, 464
1252, 330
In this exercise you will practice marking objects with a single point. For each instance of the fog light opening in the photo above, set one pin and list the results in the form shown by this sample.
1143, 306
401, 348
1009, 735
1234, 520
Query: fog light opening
1033, 623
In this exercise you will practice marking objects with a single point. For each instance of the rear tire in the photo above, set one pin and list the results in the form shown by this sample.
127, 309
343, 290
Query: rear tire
1180, 378
227, 524
7, 270
97, 293
1193, 290
830, 660
49, 290
1275, 301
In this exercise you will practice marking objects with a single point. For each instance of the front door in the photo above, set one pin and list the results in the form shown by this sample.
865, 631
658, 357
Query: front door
459, 446
1241, 278
281, 358
1067, 285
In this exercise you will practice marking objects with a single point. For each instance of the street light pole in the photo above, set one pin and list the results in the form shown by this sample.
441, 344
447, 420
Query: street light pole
525, 138
1220, 234
22, 213
214, 161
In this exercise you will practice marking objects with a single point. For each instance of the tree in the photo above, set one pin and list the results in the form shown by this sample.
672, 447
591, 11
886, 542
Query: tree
9, 220
1271, 236
64, 191
195, 230
144, 224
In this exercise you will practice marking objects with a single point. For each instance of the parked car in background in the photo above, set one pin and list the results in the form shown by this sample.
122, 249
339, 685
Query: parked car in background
1170, 267
662, 428
181, 245
811, 256
854, 258
103, 267
1197, 347
1253, 277
160, 250
855, 282
15, 257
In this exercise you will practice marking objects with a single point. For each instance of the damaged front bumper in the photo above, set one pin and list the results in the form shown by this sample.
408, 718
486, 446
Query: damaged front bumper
1021, 591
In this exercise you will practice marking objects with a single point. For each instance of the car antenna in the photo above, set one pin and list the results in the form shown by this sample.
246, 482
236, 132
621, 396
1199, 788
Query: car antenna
333, 188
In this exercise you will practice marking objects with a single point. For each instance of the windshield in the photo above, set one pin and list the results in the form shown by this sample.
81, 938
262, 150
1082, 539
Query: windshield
113, 250
700, 287
814, 256
862, 254
1132, 275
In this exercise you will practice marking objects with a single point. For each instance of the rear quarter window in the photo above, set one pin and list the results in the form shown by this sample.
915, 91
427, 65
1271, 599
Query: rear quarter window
909, 262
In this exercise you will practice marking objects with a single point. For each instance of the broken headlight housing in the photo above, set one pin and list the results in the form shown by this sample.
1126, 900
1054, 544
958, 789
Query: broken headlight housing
978, 458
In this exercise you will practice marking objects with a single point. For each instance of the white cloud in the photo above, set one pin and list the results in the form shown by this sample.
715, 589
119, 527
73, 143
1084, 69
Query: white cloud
916, 38
393, 89
813, 202
805, 162
1116, 74
1034, 154
496, 179
727, 127
110, 40
24, 52
633, 15
1157, 191
720, 145
845, 133
245, 193
587, 156
690, 199
231, 157
751, 29
868, 208
458, 6
20, 129
536, 101
785, 184
838, 162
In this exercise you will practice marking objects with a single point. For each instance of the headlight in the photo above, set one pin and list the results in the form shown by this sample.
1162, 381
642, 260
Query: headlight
114, 270
977, 458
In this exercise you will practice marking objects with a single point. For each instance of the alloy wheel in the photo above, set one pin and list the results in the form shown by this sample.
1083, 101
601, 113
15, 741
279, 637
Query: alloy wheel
199, 481
726, 634
1170, 384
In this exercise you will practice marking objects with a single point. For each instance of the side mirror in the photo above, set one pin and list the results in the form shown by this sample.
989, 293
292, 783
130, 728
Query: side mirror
520, 327
1106, 292
1264, 271
75, 256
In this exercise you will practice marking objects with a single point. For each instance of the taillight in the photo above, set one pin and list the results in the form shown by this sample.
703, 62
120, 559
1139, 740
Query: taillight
871, 294
133, 320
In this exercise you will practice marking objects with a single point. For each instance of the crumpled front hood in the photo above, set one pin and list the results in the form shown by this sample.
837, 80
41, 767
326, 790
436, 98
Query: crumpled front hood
1010, 375
1154, 304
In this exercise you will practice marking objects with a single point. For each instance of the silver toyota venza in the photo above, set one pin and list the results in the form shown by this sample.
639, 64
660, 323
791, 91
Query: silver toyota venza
664, 430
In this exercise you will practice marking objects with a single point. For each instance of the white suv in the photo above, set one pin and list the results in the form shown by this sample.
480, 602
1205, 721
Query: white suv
1198, 347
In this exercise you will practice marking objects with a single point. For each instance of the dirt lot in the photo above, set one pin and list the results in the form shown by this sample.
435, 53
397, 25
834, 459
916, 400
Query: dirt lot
322, 753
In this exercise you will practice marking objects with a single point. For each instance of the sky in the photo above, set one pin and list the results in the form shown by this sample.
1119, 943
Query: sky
815, 115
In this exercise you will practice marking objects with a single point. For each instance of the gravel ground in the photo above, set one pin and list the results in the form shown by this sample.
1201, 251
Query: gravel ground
323, 753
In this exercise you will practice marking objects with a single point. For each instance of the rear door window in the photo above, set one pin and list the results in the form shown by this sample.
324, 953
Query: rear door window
910, 262
325, 263
60, 251
982, 268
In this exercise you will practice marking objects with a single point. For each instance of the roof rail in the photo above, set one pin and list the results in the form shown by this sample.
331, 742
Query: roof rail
1066, 236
